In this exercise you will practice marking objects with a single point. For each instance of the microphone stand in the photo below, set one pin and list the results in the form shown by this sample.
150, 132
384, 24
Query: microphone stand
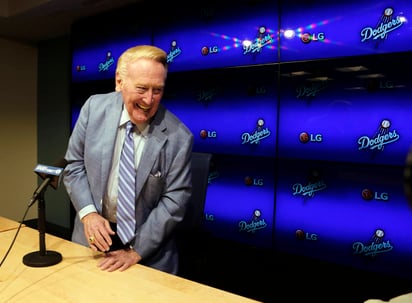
43, 257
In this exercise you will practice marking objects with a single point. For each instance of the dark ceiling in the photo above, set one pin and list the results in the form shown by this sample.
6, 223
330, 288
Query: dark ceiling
32, 21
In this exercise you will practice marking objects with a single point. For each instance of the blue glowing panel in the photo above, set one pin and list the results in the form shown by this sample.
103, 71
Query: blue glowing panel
348, 110
353, 215
240, 200
318, 29
229, 33
97, 42
98, 62
231, 111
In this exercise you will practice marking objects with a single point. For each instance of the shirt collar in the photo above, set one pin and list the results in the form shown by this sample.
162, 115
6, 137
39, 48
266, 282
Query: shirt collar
143, 127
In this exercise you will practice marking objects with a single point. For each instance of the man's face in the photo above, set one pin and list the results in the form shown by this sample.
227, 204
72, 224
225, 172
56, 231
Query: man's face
142, 89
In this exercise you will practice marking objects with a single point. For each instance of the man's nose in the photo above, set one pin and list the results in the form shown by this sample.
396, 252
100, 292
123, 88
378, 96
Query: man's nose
148, 97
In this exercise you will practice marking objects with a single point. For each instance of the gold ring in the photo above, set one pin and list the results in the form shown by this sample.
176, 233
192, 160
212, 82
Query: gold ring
91, 239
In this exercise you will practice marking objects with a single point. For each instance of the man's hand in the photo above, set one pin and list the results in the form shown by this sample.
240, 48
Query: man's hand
120, 259
97, 231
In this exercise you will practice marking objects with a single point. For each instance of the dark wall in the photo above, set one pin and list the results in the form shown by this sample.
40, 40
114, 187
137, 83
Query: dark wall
54, 119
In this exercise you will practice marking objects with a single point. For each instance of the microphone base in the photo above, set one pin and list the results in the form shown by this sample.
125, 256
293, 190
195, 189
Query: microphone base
37, 259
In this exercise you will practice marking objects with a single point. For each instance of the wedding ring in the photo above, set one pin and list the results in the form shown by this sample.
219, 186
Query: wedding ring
91, 239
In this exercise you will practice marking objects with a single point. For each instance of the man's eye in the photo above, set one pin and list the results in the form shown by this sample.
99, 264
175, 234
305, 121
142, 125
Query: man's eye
142, 90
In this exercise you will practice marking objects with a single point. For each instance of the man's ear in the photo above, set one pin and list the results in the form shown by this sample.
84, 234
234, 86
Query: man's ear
118, 82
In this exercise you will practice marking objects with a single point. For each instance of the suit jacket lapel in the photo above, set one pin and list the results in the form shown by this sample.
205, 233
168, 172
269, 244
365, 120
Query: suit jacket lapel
110, 126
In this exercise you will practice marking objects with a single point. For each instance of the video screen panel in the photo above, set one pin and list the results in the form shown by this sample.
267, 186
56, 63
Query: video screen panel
346, 110
355, 215
98, 41
240, 200
219, 34
98, 62
327, 29
232, 111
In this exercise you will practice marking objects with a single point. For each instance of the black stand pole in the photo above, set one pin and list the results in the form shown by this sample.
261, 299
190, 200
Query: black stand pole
43, 257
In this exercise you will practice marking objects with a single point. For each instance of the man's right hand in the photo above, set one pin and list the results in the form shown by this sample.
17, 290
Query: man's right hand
97, 231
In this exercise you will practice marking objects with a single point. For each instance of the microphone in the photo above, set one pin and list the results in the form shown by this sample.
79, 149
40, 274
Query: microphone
50, 175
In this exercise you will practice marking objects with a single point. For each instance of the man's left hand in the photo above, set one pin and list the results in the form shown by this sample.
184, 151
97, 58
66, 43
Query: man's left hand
120, 260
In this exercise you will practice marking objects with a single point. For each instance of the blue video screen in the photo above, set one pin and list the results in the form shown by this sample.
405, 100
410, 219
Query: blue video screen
344, 213
328, 29
97, 42
227, 34
229, 112
98, 62
346, 110
239, 202
244, 33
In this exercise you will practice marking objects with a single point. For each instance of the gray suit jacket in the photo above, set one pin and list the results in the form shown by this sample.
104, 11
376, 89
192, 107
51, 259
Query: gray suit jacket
161, 201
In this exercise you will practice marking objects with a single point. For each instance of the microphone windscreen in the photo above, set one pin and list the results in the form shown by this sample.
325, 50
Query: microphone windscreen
52, 172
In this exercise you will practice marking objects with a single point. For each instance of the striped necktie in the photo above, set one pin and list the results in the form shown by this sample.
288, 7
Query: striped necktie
126, 196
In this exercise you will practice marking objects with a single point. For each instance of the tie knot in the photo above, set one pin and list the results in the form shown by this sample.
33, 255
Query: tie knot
129, 128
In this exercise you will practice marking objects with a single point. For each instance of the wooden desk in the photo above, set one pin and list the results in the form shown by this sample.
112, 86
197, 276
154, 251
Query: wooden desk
7, 224
78, 279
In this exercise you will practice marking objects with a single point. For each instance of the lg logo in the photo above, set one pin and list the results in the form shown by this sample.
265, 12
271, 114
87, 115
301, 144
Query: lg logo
307, 37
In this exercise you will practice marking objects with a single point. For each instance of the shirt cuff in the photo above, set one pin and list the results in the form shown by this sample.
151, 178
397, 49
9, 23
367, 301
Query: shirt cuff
87, 210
